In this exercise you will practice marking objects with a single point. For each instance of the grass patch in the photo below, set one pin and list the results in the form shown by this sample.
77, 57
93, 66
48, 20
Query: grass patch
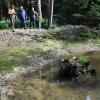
96, 41
82, 37
5, 64
4, 24
38, 89
20, 56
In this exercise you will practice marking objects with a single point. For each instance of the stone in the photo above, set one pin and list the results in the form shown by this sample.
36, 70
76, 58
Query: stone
10, 92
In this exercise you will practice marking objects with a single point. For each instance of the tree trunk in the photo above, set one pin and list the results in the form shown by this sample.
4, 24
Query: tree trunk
0, 10
39, 12
50, 12
0, 13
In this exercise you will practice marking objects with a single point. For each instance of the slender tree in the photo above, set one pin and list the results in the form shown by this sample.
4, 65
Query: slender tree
39, 13
50, 12
0, 10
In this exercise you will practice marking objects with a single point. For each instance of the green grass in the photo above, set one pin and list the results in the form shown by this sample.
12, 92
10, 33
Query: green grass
96, 41
39, 87
82, 37
5, 64
20, 56
4, 24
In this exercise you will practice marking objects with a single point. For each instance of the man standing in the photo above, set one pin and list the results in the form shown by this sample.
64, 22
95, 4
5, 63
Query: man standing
22, 16
33, 16
11, 13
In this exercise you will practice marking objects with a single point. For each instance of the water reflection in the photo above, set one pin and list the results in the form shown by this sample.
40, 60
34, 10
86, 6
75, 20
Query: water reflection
47, 85
88, 98
89, 90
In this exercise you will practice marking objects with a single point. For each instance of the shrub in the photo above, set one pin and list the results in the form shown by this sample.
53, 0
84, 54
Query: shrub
48, 35
83, 59
59, 20
4, 24
45, 23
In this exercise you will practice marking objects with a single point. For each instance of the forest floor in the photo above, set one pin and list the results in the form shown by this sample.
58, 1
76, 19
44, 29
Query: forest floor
25, 51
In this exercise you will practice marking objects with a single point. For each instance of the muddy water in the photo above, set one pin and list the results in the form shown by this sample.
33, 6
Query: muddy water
89, 90
48, 85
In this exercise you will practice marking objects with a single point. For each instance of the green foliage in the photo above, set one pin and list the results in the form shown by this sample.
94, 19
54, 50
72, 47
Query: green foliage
90, 35
4, 24
5, 64
27, 23
65, 8
81, 7
83, 59
59, 20
96, 41
17, 24
45, 23
94, 11
40, 19
72, 6
48, 35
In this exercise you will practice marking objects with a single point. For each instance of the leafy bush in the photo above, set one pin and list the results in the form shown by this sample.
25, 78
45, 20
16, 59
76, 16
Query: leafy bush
4, 24
90, 35
83, 59
48, 35
27, 23
59, 20
45, 23
94, 11
98, 27
17, 24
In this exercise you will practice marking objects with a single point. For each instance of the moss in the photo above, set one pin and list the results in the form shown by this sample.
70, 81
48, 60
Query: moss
83, 59
5, 64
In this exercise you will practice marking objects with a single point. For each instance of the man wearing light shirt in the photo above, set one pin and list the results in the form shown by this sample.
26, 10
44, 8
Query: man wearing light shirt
11, 13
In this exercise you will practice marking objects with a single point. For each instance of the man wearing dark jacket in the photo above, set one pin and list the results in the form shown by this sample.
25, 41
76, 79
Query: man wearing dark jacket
33, 16
22, 16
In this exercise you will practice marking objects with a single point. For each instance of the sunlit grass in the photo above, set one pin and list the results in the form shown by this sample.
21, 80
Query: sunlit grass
42, 90
96, 41
39, 89
19, 56
45, 86
5, 64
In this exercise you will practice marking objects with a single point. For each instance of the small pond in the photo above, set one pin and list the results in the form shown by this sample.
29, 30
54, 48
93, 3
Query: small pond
47, 85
